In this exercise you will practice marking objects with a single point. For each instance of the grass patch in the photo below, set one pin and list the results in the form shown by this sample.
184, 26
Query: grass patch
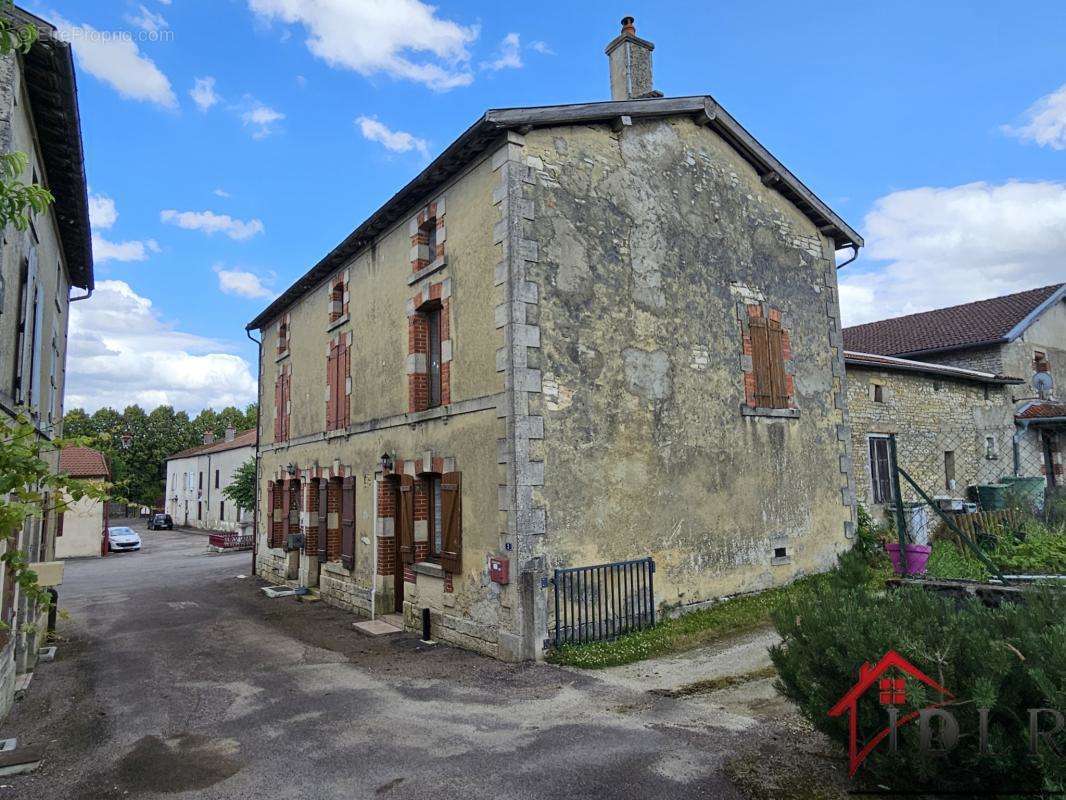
674, 635
715, 684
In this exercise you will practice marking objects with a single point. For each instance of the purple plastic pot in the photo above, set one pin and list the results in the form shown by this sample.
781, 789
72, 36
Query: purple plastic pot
917, 557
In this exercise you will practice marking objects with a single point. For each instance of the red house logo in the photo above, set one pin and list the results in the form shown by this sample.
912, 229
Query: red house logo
892, 691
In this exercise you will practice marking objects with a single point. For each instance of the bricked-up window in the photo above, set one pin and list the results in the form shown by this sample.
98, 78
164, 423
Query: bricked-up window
282, 404
768, 362
880, 478
433, 357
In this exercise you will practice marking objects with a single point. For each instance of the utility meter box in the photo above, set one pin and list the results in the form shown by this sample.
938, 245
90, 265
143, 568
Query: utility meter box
499, 569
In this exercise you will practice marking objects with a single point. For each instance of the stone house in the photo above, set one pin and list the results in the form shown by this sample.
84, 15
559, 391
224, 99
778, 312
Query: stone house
81, 527
953, 425
583, 334
197, 477
1021, 335
38, 268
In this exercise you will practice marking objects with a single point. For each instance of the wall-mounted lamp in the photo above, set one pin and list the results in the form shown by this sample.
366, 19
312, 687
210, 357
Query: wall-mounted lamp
291, 469
386, 462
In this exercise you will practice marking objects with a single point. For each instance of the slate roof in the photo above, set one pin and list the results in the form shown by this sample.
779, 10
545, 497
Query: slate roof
985, 322
242, 439
1042, 410
491, 129
872, 361
83, 462
53, 90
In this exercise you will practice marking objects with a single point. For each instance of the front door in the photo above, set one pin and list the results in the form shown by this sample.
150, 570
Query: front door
403, 534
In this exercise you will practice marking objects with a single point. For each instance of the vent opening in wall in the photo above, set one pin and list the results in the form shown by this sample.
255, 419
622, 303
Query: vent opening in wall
780, 552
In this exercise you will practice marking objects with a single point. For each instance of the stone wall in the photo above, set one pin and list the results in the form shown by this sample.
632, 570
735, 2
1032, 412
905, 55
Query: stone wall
930, 415
646, 250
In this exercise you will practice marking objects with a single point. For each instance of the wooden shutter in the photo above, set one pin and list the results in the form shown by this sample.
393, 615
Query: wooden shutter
348, 522
286, 500
760, 359
287, 405
270, 513
279, 406
323, 517
405, 519
451, 515
776, 358
344, 370
331, 388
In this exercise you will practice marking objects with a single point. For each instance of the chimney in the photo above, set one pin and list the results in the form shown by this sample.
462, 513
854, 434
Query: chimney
231, 433
630, 60
209, 437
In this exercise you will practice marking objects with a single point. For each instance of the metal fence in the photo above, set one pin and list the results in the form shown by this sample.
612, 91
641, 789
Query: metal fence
967, 487
603, 601
230, 540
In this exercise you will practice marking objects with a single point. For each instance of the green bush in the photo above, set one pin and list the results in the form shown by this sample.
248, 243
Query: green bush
1008, 659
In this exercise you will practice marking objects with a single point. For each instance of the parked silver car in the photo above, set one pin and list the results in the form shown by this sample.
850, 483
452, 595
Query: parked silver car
122, 538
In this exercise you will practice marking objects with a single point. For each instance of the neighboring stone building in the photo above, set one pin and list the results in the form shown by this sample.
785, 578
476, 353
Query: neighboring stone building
953, 426
38, 268
1023, 335
583, 334
81, 528
196, 478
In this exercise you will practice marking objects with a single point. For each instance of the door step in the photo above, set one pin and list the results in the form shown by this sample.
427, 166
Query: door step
376, 627
394, 619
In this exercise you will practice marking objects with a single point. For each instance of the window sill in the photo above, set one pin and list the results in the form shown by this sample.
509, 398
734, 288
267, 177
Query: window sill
425, 272
341, 320
335, 568
428, 568
282, 357
775, 413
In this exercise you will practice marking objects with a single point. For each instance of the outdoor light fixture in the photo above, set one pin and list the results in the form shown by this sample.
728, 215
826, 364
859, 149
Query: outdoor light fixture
386, 462
291, 469
127, 439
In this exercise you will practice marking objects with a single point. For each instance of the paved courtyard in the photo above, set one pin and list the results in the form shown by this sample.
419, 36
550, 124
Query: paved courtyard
176, 677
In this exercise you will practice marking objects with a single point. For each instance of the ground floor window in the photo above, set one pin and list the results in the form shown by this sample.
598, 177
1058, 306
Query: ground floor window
880, 479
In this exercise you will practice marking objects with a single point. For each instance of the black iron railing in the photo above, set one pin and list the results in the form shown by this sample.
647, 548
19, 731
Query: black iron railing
603, 601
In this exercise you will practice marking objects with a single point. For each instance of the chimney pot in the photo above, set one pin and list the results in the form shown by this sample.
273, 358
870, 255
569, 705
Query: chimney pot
630, 63
209, 437
231, 433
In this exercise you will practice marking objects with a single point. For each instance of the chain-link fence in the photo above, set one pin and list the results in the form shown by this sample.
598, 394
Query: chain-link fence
973, 505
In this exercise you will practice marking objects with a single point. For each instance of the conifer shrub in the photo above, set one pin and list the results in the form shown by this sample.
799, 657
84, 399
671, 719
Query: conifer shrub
1008, 659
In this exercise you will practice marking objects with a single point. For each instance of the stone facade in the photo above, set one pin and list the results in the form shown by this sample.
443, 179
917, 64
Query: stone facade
196, 480
930, 415
587, 311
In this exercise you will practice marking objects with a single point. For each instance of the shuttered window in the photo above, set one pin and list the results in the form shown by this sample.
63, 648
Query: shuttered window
880, 479
348, 523
282, 386
323, 519
405, 519
451, 515
338, 368
768, 363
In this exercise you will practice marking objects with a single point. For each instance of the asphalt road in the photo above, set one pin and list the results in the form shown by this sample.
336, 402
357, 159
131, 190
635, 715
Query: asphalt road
176, 678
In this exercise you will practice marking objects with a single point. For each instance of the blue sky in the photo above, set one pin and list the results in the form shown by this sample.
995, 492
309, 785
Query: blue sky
938, 130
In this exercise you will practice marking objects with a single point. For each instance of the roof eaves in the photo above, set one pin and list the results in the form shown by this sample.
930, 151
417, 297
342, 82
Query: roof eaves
875, 361
495, 122
1031, 317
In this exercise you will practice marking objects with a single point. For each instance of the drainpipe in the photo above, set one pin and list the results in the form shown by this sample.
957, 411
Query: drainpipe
258, 425
854, 255
85, 296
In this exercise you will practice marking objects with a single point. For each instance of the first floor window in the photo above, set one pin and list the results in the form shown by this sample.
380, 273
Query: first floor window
433, 358
880, 478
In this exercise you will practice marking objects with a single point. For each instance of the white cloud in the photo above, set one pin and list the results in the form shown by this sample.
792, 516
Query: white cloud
541, 47
509, 56
203, 93
123, 352
1045, 121
102, 213
209, 222
221, 193
260, 118
105, 250
396, 141
116, 60
949, 245
242, 283
147, 20
402, 38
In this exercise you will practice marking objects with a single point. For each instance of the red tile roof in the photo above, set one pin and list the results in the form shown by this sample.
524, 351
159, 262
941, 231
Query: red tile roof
953, 328
1042, 410
242, 439
83, 462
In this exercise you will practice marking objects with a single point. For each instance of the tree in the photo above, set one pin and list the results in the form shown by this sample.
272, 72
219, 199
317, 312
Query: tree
242, 489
